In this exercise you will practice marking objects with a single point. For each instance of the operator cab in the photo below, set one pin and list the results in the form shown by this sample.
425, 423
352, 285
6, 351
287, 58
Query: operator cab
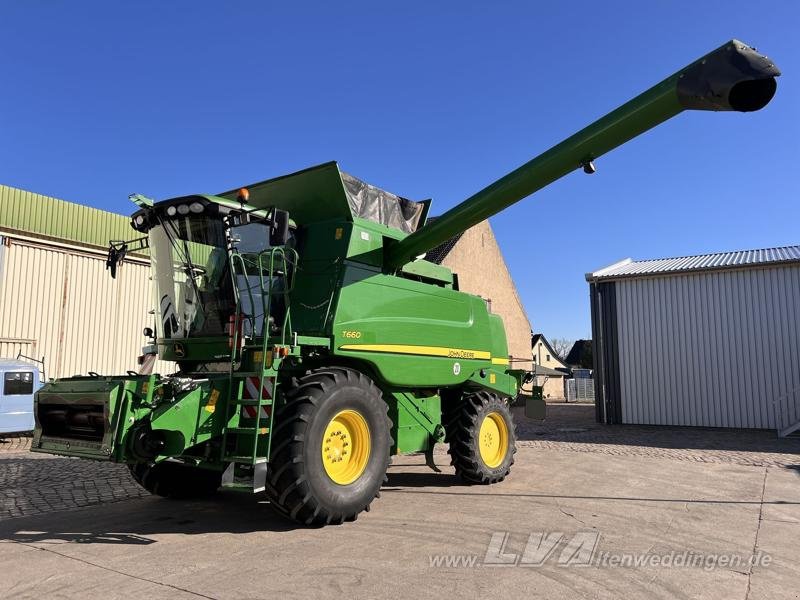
215, 274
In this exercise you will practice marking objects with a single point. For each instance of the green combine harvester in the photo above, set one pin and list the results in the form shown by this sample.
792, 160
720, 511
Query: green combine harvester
313, 340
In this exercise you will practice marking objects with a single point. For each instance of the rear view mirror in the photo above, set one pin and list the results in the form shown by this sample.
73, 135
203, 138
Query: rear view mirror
116, 254
279, 230
118, 249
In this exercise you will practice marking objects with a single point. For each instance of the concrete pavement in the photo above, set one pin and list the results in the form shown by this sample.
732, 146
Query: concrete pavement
234, 547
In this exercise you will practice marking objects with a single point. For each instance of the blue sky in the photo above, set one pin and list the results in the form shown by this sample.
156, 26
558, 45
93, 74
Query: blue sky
424, 99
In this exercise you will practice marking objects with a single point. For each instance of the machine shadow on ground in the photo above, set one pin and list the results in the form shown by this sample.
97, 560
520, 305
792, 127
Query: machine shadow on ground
410, 479
130, 522
794, 468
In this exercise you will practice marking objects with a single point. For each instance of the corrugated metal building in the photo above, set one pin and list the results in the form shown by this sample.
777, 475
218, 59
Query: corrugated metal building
708, 340
56, 297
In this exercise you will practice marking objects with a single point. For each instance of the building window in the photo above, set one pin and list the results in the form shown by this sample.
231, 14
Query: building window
547, 358
18, 384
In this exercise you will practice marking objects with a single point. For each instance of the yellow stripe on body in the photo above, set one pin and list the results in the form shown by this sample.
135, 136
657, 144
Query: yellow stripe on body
420, 350
499, 361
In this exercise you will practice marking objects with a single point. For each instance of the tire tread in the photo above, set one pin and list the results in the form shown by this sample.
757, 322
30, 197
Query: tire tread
286, 486
461, 432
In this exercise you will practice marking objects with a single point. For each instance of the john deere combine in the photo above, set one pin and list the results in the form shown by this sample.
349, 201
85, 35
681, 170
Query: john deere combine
313, 340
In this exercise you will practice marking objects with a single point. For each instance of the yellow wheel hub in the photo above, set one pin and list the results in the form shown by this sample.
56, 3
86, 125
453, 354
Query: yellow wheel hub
493, 440
345, 447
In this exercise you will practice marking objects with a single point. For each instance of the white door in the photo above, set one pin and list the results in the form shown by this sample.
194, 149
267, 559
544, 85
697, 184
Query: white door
16, 400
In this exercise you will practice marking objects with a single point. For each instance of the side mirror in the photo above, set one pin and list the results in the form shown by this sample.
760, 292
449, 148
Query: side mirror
118, 249
115, 256
279, 230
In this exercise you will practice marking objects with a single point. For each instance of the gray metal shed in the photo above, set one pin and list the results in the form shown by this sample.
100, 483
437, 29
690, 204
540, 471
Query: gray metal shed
710, 340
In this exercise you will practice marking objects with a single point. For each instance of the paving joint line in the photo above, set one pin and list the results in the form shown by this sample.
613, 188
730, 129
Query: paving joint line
758, 530
124, 574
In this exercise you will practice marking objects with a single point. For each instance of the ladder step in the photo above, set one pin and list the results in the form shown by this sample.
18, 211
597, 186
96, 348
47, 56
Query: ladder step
248, 430
241, 487
249, 374
248, 460
251, 402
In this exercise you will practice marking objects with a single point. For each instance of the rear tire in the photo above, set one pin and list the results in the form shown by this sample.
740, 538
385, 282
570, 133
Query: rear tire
330, 447
175, 480
480, 431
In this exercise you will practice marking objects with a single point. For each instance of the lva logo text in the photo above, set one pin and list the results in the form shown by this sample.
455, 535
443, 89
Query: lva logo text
581, 550
571, 551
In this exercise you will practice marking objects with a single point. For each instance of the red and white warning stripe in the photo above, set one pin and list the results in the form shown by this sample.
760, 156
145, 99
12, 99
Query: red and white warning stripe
249, 412
251, 385
251, 388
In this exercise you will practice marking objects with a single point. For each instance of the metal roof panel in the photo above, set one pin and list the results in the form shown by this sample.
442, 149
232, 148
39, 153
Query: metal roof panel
61, 220
700, 262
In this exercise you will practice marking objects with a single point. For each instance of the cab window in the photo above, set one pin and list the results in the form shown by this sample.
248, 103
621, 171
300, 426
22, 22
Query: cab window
18, 383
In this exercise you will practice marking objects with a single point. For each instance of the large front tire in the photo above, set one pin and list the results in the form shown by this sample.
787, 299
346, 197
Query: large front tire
480, 431
330, 449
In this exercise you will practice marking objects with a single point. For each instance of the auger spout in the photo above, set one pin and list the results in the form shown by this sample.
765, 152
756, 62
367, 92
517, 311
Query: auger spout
734, 77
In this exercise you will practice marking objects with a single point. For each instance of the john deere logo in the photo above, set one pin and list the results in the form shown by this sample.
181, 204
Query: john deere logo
179, 350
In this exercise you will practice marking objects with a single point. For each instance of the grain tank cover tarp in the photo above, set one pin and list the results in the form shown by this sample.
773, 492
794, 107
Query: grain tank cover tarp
323, 193
372, 203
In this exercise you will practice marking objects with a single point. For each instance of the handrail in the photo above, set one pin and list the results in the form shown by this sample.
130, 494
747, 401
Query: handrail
782, 430
270, 263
